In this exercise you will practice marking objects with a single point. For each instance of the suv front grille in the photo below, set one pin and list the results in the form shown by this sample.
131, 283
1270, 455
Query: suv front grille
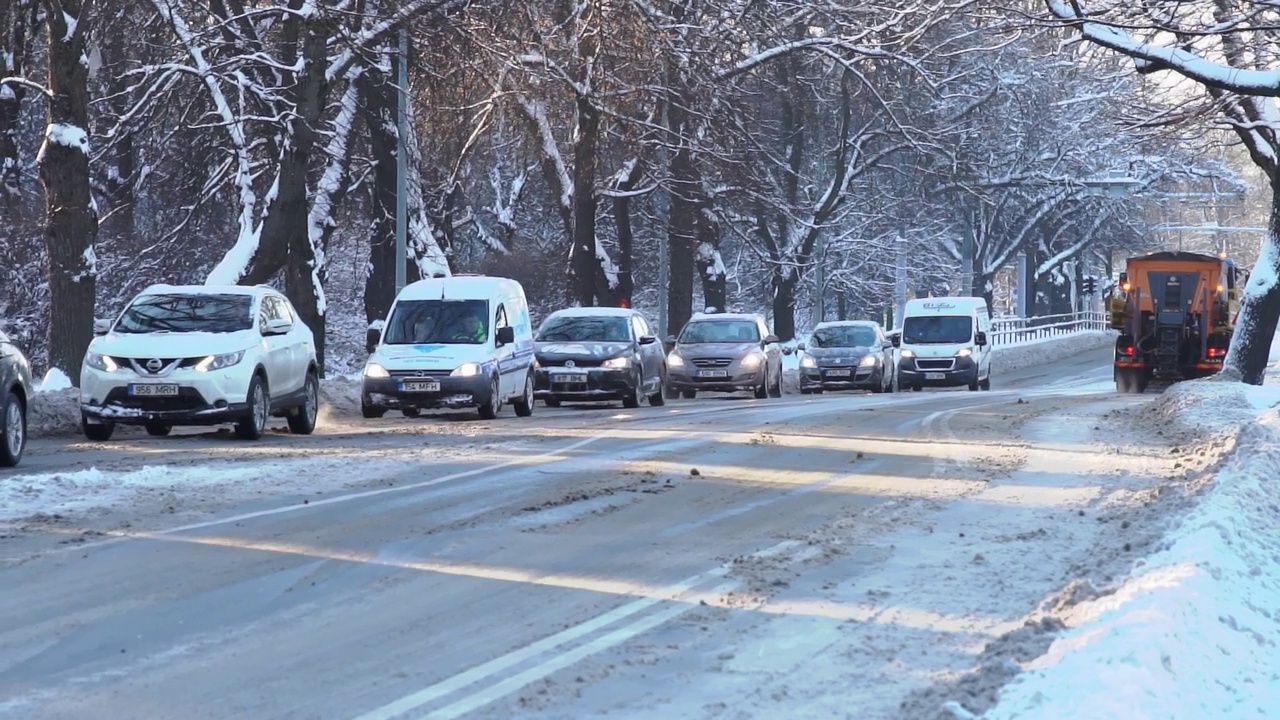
139, 365
712, 362
187, 399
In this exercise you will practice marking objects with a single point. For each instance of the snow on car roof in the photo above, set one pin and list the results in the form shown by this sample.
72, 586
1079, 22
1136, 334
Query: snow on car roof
724, 316
594, 311
162, 289
846, 323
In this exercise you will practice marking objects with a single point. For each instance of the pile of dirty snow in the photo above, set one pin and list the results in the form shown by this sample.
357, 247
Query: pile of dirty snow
1192, 632
1046, 352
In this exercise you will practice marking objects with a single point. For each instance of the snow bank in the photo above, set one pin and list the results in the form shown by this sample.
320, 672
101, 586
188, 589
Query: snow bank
54, 380
1192, 632
1045, 352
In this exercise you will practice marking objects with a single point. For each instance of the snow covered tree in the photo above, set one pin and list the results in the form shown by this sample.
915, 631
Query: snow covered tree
1229, 48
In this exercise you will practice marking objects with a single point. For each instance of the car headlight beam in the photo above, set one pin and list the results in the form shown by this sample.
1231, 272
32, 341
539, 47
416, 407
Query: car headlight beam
907, 354
100, 362
964, 352
618, 362
868, 360
374, 370
752, 360
218, 362
808, 362
674, 360
467, 369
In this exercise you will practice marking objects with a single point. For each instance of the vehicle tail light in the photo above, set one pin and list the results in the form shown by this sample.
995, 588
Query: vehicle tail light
1127, 350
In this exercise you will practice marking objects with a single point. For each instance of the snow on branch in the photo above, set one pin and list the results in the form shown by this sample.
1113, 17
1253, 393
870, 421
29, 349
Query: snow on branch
537, 112
1154, 57
5, 82
812, 43
364, 41
321, 215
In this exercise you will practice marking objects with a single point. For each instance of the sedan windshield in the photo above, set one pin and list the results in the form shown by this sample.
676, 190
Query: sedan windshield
844, 336
941, 329
584, 328
720, 331
187, 313
420, 322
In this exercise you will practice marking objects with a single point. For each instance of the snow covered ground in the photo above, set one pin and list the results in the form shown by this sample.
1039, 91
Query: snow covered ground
1192, 631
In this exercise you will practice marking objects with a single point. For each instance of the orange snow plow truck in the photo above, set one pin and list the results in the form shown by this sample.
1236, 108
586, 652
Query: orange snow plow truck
1176, 313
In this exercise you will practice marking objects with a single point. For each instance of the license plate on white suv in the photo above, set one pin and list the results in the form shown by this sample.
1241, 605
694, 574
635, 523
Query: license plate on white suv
427, 386
153, 390
935, 376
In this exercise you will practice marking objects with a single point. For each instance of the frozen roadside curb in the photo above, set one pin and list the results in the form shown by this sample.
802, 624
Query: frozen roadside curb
1186, 634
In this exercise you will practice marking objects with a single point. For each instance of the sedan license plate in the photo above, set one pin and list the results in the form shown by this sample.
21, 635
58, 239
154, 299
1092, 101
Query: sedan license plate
420, 386
713, 373
838, 373
935, 376
153, 390
570, 378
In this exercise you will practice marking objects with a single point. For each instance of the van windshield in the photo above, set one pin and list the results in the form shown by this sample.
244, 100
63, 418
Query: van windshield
421, 322
937, 329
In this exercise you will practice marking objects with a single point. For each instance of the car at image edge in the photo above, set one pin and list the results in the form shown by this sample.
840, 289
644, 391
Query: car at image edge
590, 354
725, 352
847, 354
201, 355
15, 392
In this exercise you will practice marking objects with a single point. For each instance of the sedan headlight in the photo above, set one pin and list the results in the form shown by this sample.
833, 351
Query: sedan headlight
808, 362
964, 352
907, 354
374, 370
868, 360
618, 362
218, 362
100, 362
752, 360
470, 369
674, 360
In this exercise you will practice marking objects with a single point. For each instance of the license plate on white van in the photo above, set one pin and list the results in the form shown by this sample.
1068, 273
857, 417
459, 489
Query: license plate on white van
153, 390
419, 386
935, 376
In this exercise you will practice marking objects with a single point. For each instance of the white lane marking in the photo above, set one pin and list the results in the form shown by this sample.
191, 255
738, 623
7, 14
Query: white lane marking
514, 683
489, 669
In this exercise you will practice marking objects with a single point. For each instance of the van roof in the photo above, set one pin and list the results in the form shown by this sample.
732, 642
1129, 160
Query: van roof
944, 305
466, 287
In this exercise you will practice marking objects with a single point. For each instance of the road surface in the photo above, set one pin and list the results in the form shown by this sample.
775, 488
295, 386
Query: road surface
719, 558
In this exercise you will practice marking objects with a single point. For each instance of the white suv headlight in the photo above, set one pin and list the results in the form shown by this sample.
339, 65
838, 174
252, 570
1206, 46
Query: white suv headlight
374, 370
619, 362
218, 362
100, 362
470, 369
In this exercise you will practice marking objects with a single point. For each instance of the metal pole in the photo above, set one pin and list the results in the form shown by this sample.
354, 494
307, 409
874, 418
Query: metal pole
402, 161
819, 282
899, 283
1022, 309
966, 259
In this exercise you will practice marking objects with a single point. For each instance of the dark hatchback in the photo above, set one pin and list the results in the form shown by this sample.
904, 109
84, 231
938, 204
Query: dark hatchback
598, 354
15, 390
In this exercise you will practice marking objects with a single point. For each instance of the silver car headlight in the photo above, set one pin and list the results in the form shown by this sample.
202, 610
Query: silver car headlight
751, 361
868, 360
674, 360
808, 362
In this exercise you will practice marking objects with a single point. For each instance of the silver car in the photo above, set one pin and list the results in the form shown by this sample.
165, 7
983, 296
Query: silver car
725, 352
844, 355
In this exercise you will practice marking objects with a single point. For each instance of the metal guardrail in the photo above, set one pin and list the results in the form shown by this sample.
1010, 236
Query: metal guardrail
1016, 330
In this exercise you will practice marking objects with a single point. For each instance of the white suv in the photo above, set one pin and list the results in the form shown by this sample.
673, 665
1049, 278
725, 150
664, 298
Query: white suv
201, 355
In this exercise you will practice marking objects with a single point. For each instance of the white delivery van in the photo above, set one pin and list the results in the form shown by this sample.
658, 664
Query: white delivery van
944, 343
453, 342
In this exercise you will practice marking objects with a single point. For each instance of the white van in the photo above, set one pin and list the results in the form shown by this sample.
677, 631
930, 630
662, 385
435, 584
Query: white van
943, 342
454, 342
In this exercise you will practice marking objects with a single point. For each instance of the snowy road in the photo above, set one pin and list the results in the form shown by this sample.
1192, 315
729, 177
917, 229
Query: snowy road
806, 557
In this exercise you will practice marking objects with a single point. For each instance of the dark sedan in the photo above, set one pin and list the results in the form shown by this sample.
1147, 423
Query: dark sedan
15, 390
597, 354
845, 355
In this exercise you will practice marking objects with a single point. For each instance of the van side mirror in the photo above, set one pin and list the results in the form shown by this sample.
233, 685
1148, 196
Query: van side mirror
980, 339
506, 335
372, 337
101, 326
896, 341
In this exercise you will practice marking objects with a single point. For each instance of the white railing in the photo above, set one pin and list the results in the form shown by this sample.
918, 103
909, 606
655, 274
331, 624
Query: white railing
1007, 331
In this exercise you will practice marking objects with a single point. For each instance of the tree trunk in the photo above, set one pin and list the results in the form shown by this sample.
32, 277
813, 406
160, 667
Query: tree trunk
71, 221
582, 257
682, 220
379, 105
120, 222
784, 305
13, 53
710, 265
626, 239
1259, 307
302, 282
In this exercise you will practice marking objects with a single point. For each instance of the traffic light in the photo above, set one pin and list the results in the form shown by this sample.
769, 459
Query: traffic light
1090, 285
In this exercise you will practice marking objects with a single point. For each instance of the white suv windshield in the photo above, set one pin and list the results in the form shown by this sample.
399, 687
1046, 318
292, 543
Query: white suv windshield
187, 313
941, 329
422, 322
